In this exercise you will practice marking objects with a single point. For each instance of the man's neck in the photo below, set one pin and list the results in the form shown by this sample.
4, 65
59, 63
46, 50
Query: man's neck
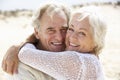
39, 46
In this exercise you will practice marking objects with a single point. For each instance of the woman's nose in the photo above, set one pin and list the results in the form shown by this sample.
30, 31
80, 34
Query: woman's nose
73, 37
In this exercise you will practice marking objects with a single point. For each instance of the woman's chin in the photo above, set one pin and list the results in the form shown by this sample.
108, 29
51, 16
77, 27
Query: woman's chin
71, 49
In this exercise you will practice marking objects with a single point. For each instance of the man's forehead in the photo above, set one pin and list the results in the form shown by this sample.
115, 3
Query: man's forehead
56, 18
60, 14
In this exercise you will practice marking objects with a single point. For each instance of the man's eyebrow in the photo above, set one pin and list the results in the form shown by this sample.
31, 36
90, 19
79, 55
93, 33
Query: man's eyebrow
64, 26
49, 28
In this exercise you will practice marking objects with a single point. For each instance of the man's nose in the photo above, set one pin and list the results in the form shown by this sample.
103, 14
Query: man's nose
59, 36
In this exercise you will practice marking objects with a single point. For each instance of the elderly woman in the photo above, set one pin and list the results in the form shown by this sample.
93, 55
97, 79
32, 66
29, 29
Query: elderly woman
86, 36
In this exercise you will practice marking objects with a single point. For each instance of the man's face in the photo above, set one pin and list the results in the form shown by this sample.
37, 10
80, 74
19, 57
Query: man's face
52, 32
79, 35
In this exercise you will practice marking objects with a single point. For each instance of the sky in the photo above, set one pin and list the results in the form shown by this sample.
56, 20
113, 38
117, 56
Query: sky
33, 4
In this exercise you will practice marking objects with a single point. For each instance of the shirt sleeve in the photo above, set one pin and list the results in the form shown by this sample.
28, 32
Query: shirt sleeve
67, 65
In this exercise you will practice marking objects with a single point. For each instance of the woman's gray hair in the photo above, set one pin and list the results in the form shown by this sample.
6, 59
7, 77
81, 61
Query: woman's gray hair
50, 9
97, 24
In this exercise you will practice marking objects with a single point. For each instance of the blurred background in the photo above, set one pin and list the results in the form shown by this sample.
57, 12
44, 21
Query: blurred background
15, 26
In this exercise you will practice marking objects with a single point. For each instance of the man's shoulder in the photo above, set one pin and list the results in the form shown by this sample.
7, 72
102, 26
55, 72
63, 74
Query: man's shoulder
29, 45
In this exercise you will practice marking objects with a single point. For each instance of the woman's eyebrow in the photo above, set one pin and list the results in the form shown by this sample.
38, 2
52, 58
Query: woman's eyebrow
71, 25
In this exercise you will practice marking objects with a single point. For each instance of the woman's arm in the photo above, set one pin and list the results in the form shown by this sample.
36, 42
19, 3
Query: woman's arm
58, 65
68, 65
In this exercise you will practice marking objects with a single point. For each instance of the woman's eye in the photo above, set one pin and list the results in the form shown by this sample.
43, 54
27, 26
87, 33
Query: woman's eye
70, 29
82, 33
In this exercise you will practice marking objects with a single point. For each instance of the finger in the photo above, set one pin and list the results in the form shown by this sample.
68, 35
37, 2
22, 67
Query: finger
4, 65
10, 67
15, 68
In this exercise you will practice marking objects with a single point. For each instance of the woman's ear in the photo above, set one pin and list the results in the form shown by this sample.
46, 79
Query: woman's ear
36, 33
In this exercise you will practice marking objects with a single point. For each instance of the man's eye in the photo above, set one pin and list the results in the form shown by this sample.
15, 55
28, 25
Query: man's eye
51, 31
64, 30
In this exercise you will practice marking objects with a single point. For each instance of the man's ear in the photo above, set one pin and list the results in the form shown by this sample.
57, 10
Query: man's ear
36, 33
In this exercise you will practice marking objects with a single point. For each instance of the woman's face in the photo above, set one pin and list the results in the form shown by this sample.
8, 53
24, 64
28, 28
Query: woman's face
79, 35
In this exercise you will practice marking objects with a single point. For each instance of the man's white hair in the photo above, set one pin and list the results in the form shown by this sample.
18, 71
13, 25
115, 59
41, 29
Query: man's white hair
50, 9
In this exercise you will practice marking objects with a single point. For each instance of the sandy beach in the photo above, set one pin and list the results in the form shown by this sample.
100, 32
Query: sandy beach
15, 27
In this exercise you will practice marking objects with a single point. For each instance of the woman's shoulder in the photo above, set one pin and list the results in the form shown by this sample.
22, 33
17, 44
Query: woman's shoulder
88, 58
88, 55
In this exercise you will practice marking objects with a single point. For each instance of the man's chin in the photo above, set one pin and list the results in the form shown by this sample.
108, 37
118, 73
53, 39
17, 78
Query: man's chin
58, 49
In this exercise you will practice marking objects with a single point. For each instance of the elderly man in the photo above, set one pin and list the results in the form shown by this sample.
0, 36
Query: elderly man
50, 24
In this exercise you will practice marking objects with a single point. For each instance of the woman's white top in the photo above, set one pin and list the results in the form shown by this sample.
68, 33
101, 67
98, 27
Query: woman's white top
67, 65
